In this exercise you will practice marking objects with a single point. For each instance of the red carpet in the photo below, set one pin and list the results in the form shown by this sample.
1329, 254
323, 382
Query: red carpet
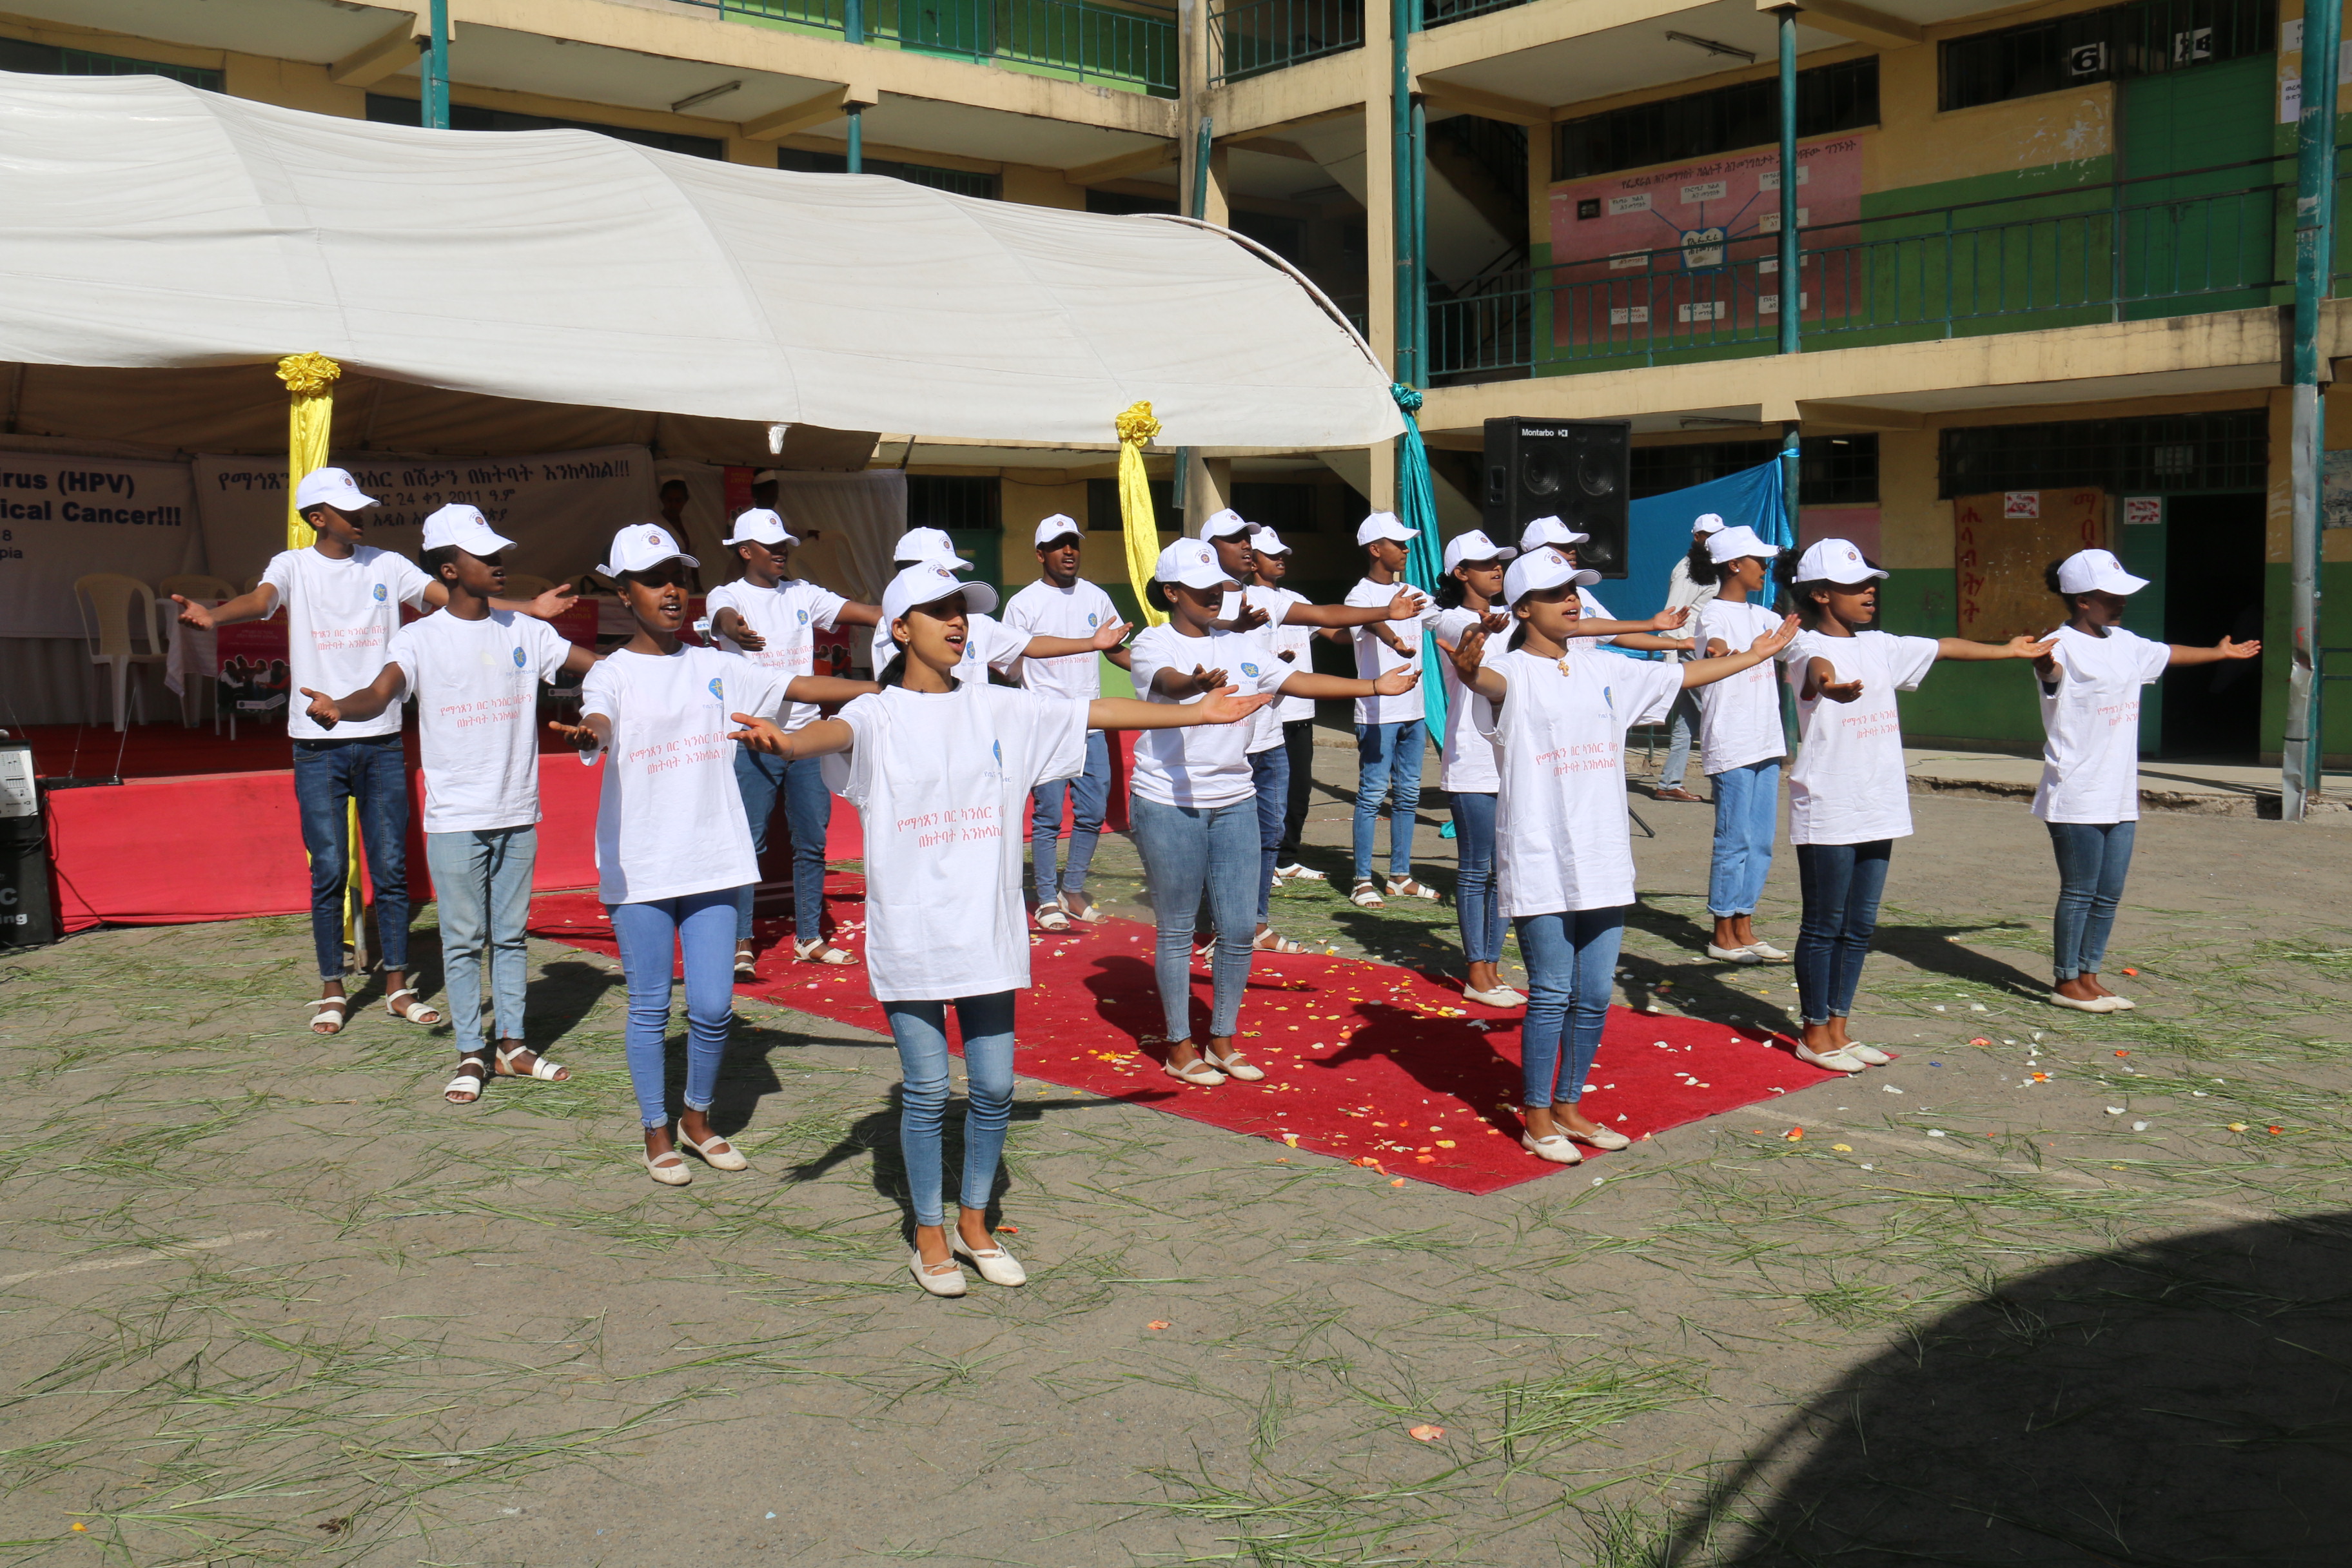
1363, 1062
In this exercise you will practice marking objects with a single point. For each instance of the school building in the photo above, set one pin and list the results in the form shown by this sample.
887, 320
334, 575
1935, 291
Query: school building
2045, 249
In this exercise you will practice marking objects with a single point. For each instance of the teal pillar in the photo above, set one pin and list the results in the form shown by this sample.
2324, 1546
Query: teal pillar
433, 100
853, 29
1792, 280
2314, 220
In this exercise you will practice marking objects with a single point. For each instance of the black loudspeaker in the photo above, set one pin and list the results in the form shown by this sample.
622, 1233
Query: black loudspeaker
1579, 470
27, 916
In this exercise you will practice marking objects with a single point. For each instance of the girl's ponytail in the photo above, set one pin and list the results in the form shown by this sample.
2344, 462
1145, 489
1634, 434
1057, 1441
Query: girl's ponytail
1703, 569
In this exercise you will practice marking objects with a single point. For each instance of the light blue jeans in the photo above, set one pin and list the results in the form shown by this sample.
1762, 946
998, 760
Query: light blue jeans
1747, 815
921, 1030
481, 882
1270, 771
1387, 757
651, 936
1186, 848
1091, 793
2094, 859
1478, 899
808, 811
1572, 959
1682, 724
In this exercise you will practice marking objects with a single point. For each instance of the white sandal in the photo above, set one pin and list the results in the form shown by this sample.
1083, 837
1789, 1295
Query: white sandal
1367, 896
415, 1012
330, 1010
468, 1082
817, 949
1269, 941
1091, 915
541, 1068
1052, 917
1294, 872
1406, 888
746, 968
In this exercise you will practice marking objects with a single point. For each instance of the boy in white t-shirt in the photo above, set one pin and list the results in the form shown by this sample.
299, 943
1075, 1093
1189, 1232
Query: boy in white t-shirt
342, 600
773, 620
2089, 794
990, 644
474, 672
1061, 604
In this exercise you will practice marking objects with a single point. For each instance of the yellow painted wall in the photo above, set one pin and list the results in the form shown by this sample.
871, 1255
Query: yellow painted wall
291, 84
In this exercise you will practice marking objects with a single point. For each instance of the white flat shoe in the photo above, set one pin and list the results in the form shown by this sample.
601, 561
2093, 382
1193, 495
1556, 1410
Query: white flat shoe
1556, 1149
1501, 996
1835, 1061
1197, 1071
1734, 954
718, 1153
951, 1283
672, 1174
2097, 1004
2123, 1004
1234, 1065
1869, 1055
1603, 1138
996, 1266
1767, 952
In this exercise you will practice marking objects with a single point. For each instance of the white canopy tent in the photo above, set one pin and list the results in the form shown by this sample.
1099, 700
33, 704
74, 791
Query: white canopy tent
157, 225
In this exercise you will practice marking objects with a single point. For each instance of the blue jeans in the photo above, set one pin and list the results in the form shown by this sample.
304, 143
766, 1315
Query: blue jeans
1092, 793
920, 1028
1842, 884
808, 811
1185, 848
482, 883
1478, 899
373, 773
1270, 771
1571, 958
651, 935
1747, 815
1388, 756
1683, 721
2094, 859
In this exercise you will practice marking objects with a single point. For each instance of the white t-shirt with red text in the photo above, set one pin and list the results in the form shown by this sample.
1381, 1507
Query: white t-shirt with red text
670, 820
2090, 761
477, 690
942, 785
1561, 840
1203, 765
340, 617
1849, 784
1739, 716
786, 618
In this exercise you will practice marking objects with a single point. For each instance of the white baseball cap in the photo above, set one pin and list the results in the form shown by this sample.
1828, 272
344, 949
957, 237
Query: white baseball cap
767, 475
1835, 561
1061, 525
1474, 546
2096, 572
1546, 531
330, 486
465, 527
1541, 568
1226, 524
1731, 544
1266, 541
640, 547
1192, 563
919, 544
758, 525
1707, 522
928, 582
1384, 525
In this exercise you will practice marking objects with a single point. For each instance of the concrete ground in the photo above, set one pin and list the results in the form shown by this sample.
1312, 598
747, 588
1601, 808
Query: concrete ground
2052, 1289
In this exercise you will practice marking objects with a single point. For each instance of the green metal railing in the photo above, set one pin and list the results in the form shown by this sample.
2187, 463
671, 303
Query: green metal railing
1129, 47
1250, 38
2176, 244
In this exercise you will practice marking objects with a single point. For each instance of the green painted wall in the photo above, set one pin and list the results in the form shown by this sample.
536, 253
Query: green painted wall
1977, 704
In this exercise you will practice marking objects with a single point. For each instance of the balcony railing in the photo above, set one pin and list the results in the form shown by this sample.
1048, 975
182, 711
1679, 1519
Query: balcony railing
1250, 38
1125, 45
2119, 252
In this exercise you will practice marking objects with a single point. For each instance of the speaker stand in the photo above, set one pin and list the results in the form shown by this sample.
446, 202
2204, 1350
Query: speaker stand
1647, 831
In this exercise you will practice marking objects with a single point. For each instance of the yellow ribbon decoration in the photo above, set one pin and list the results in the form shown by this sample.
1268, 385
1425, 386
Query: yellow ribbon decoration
309, 419
1136, 427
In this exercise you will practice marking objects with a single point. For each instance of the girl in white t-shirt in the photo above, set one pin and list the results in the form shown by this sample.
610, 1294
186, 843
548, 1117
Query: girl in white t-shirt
1740, 740
1849, 794
941, 768
1193, 808
1556, 710
2089, 794
1466, 773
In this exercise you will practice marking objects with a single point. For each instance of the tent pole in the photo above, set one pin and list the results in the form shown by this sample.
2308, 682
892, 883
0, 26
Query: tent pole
436, 96
1405, 16
2315, 251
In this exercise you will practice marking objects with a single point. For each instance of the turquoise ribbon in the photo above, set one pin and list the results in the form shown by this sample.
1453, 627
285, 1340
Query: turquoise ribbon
1423, 561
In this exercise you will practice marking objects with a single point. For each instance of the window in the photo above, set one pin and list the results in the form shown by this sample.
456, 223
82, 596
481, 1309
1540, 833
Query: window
386, 109
2164, 453
1838, 470
1118, 203
1841, 97
1285, 508
1103, 515
2118, 41
955, 182
1832, 470
48, 59
1285, 236
953, 501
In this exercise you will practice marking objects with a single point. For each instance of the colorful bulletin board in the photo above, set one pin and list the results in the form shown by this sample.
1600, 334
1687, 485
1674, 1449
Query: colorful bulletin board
2002, 543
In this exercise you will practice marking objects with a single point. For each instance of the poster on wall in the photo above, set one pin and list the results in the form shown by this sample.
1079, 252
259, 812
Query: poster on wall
2001, 549
2336, 492
560, 507
62, 518
1693, 252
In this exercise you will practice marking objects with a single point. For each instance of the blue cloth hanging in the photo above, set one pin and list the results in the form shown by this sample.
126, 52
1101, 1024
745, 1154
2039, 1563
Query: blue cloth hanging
1425, 563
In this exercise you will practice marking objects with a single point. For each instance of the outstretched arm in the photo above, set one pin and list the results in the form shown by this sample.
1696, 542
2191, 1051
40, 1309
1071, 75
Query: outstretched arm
592, 735
1407, 603
1821, 680
363, 704
1224, 705
1701, 671
1102, 640
1466, 654
578, 661
853, 613
728, 623
1967, 652
827, 691
2225, 649
254, 606
812, 740
1392, 683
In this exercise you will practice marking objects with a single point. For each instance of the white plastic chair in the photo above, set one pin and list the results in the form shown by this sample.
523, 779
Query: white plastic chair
203, 589
118, 619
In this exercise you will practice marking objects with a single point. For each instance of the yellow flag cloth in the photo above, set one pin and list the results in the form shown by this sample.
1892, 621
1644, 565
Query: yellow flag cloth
310, 420
1136, 427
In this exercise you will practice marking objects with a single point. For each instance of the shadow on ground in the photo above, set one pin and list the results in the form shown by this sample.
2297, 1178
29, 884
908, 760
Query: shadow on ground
2179, 1403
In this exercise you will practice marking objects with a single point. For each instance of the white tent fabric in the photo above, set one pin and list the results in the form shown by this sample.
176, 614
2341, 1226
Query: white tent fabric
151, 224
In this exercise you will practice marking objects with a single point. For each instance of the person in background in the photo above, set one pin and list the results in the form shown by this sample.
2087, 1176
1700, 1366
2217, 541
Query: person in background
1638, 637
1686, 591
1470, 596
1741, 742
2089, 683
772, 619
1061, 604
474, 672
342, 599
1389, 736
1294, 646
989, 643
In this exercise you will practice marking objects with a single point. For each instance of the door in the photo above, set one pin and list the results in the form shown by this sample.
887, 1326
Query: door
2213, 587
2203, 241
